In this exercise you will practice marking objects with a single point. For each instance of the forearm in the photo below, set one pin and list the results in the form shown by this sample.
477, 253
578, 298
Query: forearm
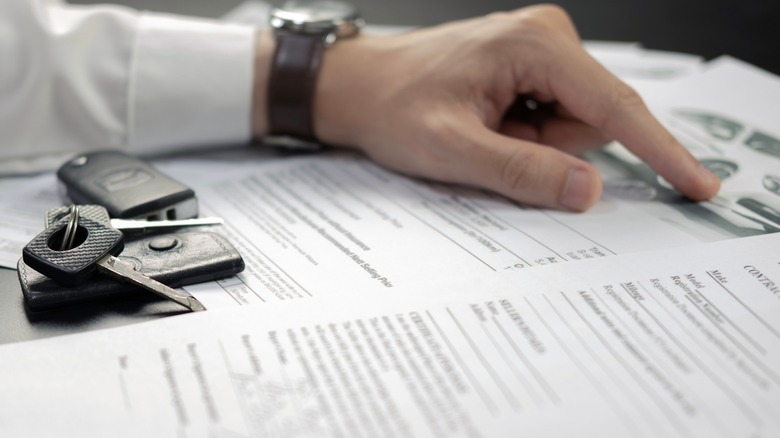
86, 77
264, 51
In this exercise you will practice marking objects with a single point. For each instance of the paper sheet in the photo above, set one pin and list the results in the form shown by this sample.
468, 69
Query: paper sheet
335, 224
732, 131
307, 218
681, 342
23, 205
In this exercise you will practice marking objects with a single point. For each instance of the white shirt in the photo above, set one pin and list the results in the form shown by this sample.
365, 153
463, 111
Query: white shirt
76, 78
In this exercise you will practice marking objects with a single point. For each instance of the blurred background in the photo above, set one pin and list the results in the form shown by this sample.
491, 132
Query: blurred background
746, 29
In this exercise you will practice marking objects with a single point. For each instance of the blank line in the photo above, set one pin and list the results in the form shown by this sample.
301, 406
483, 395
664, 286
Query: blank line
209, 207
452, 217
648, 352
448, 217
755, 315
511, 225
730, 322
125, 395
526, 384
409, 212
539, 378
736, 343
511, 366
234, 298
661, 405
491, 372
582, 235
442, 234
713, 376
481, 391
219, 282
595, 383
293, 397
239, 394
270, 260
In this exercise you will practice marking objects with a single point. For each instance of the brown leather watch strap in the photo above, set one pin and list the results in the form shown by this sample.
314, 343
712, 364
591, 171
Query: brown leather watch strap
291, 86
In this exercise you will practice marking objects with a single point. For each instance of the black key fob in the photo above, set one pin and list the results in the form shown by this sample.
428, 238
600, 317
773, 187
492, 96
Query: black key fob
94, 241
175, 259
126, 186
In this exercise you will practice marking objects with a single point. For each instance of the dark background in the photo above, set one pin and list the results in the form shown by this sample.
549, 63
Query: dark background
746, 29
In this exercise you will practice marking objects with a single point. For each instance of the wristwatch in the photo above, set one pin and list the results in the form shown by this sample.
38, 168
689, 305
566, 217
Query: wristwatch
303, 31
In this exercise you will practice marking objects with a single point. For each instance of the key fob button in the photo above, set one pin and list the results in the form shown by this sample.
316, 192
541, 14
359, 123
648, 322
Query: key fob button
79, 161
163, 243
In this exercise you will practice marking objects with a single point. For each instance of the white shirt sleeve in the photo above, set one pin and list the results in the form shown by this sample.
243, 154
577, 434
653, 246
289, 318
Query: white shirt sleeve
75, 78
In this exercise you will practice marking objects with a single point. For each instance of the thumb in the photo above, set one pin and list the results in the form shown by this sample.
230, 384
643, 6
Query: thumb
527, 172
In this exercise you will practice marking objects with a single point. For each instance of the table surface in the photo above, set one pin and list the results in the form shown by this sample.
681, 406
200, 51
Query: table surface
709, 28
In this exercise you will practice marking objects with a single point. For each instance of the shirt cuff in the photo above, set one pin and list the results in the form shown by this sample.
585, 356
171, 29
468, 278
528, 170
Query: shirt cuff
190, 84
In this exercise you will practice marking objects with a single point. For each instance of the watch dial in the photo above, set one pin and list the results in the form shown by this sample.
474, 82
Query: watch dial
314, 11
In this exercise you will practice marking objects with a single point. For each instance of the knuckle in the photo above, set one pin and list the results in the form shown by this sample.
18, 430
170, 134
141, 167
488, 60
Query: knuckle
520, 171
625, 100
439, 131
437, 123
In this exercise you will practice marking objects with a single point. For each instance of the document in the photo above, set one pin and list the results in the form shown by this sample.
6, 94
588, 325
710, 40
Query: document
23, 205
733, 132
302, 208
649, 72
337, 224
311, 225
682, 342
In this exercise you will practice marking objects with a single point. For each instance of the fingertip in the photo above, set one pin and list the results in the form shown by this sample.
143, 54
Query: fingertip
581, 190
707, 186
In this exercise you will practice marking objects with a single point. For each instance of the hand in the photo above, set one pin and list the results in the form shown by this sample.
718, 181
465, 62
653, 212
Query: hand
434, 103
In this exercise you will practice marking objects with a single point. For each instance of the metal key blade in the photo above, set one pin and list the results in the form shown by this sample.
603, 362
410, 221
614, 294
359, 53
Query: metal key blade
125, 271
142, 225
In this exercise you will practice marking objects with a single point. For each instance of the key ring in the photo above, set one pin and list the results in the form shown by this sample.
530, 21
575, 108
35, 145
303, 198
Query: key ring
70, 231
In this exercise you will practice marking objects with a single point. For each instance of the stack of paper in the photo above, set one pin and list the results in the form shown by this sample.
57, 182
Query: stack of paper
378, 305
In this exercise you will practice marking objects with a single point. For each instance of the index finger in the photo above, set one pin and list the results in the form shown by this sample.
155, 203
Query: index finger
597, 97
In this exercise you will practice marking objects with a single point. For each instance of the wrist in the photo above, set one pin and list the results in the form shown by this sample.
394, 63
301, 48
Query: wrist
346, 87
302, 33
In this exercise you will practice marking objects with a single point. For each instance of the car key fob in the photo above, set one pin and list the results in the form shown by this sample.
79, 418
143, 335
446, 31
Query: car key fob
126, 186
94, 241
175, 259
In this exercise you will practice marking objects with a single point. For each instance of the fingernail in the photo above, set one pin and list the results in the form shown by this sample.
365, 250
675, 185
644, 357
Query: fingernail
578, 192
710, 183
707, 176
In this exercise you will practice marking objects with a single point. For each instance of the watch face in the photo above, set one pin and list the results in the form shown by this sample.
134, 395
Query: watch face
313, 16
313, 10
